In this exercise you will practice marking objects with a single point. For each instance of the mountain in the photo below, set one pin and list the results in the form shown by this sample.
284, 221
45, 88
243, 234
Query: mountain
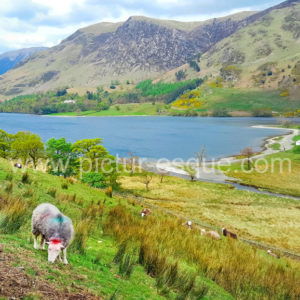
9, 60
264, 54
143, 47
134, 50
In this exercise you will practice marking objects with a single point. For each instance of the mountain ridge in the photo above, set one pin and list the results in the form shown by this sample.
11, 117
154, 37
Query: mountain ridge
133, 50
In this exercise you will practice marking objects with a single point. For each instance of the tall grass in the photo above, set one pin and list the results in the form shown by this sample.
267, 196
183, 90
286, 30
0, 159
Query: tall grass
12, 215
82, 233
241, 270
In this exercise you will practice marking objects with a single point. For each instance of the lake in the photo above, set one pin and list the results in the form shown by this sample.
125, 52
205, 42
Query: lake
151, 137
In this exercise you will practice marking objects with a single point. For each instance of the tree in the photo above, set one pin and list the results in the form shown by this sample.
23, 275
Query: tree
94, 179
133, 161
191, 171
200, 156
90, 149
162, 175
147, 179
61, 155
248, 152
5, 143
180, 75
27, 145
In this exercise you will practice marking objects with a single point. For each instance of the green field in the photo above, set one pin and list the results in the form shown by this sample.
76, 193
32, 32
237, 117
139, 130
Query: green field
104, 224
134, 109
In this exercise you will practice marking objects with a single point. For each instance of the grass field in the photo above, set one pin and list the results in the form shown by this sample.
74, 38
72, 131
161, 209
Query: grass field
134, 109
247, 100
263, 218
92, 271
175, 270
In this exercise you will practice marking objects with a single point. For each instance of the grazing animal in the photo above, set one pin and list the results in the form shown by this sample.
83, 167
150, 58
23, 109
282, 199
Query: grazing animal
55, 228
273, 254
212, 234
18, 165
229, 234
145, 212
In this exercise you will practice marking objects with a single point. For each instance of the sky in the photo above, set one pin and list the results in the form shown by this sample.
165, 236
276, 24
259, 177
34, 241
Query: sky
30, 23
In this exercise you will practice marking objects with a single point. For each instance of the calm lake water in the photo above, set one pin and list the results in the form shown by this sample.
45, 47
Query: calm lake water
151, 137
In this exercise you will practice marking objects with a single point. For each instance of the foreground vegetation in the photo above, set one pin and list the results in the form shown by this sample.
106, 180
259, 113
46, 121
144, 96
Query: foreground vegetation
118, 254
138, 258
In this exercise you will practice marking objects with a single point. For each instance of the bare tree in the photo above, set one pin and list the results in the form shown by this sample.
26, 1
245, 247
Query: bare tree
200, 156
248, 152
162, 175
132, 162
147, 179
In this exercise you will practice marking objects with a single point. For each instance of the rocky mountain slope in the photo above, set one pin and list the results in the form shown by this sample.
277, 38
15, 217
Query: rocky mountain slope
141, 48
133, 50
10, 59
265, 54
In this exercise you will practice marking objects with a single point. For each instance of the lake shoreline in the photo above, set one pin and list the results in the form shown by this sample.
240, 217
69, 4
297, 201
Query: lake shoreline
208, 173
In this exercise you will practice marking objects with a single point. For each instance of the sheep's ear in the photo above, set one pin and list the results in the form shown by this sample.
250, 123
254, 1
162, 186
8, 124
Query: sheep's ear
62, 247
48, 243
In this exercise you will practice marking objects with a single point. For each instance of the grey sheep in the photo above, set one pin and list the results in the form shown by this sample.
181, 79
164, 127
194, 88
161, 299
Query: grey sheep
55, 229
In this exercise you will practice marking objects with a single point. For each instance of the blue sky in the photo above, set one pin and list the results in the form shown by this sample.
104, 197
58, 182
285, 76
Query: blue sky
28, 23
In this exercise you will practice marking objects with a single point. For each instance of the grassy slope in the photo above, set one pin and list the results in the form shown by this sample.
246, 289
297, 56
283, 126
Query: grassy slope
247, 41
134, 109
271, 220
83, 272
234, 99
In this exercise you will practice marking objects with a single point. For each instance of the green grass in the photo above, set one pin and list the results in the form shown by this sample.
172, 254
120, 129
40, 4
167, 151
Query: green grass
98, 276
284, 182
134, 109
246, 100
275, 146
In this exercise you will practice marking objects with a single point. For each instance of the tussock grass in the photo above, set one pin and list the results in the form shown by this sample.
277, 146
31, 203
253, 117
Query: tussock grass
263, 218
64, 186
241, 270
12, 215
25, 178
52, 192
82, 234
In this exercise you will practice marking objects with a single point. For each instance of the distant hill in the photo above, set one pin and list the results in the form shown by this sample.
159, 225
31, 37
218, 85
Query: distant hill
10, 59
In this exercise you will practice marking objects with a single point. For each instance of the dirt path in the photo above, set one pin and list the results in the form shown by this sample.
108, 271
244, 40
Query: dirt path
15, 283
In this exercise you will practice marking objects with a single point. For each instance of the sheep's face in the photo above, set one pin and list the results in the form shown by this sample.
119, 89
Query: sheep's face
54, 250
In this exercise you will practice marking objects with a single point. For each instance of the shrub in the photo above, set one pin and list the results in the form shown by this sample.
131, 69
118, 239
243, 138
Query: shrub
52, 192
9, 187
296, 149
9, 176
194, 65
25, 178
64, 186
220, 112
94, 179
109, 192
180, 75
